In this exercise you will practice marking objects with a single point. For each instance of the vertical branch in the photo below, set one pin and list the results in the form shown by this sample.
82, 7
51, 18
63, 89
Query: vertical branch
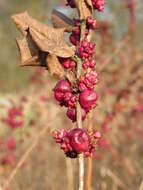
89, 174
81, 157
79, 115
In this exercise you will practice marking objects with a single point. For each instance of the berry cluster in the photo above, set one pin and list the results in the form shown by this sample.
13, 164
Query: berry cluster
97, 4
64, 95
15, 117
67, 63
75, 35
77, 141
88, 81
86, 49
90, 23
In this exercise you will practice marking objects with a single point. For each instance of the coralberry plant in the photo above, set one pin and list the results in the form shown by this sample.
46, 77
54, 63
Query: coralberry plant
74, 65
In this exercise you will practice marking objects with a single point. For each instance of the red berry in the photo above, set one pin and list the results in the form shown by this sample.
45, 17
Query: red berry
88, 81
91, 23
88, 99
79, 140
63, 86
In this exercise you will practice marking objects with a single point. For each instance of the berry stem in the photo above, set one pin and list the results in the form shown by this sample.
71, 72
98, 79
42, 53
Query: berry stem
79, 114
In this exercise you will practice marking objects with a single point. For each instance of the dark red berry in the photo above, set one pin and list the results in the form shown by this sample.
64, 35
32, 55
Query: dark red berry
79, 140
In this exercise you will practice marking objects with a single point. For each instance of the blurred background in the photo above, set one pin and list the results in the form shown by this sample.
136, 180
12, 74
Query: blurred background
27, 104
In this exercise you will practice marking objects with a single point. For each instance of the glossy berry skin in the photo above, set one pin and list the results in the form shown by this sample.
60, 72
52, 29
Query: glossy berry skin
79, 140
71, 113
88, 99
62, 87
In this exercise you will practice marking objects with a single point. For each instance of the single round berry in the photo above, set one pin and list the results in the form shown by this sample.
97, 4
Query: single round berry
79, 140
63, 86
88, 99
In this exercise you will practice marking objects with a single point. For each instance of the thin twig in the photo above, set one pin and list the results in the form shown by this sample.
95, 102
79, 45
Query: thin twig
25, 156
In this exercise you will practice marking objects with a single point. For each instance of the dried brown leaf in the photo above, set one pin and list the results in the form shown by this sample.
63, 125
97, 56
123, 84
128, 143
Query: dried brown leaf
59, 20
54, 44
54, 66
46, 38
84, 7
30, 53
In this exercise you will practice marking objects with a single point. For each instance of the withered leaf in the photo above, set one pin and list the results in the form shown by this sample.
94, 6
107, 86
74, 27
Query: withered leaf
48, 39
29, 52
54, 45
84, 7
60, 20
54, 66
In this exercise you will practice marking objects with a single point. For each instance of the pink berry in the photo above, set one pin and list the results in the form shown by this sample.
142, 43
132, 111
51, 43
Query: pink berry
71, 113
91, 23
98, 4
86, 49
63, 86
67, 63
88, 81
88, 99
